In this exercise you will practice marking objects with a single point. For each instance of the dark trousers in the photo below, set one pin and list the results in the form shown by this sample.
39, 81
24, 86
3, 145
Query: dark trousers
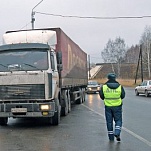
113, 113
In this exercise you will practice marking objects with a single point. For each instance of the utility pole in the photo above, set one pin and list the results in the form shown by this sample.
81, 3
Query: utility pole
32, 19
89, 66
141, 64
32, 15
139, 59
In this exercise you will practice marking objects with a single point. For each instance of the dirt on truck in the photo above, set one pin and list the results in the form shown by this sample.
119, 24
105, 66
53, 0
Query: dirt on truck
42, 72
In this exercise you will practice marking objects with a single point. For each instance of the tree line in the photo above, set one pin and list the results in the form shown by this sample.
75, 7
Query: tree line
116, 52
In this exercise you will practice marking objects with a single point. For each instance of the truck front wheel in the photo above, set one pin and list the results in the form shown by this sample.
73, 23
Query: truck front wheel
3, 121
55, 120
65, 107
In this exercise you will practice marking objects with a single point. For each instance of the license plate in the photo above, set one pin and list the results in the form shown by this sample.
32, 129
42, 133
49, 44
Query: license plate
18, 110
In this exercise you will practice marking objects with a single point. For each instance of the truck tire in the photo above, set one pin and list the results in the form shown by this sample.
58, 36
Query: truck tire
55, 120
83, 95
69, 102
79, 101
3, 121
64, 109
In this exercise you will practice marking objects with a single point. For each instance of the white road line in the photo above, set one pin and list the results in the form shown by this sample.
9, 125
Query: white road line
125, 129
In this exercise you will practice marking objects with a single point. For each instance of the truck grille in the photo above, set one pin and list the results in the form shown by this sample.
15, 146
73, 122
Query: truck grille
9, 92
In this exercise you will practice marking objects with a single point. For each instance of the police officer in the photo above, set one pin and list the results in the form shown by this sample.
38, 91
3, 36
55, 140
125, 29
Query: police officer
112, 93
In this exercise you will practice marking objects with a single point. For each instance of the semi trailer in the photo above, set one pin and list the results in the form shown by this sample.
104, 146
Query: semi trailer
42, 73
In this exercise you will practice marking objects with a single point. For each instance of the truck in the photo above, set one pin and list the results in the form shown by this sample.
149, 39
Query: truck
42, 73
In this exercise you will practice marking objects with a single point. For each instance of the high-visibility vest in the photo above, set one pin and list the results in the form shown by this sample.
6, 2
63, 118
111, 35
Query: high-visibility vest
112, 97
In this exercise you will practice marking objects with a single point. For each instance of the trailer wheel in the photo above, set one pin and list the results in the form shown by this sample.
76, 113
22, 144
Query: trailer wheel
83, 95
69, 102
55, 120
80, 95
3, 121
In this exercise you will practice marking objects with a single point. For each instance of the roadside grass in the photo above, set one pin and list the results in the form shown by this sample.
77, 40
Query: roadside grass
124, 82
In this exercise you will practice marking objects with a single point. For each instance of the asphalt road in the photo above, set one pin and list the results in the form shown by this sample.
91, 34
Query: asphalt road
84, 129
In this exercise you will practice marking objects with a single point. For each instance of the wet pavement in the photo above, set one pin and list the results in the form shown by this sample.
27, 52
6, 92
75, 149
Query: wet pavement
84, 129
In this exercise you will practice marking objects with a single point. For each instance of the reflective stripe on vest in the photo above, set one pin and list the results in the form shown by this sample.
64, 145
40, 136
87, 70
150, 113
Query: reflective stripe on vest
112, 97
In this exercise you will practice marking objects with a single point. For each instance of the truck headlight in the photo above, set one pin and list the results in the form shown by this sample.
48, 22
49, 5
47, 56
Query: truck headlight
45, 107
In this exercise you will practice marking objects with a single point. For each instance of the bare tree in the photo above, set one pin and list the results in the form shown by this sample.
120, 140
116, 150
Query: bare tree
120, 52
132, 54
114, 52
146, 42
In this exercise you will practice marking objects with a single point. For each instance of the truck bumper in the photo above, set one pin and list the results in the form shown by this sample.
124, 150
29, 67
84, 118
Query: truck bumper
27, 109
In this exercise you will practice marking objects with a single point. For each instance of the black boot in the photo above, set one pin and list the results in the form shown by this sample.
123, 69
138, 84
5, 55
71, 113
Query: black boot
118, 138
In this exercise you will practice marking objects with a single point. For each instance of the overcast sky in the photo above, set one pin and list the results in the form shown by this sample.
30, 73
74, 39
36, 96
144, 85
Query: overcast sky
90, 34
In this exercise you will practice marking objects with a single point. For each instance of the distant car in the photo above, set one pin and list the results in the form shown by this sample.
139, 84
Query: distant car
144, 88
93, 87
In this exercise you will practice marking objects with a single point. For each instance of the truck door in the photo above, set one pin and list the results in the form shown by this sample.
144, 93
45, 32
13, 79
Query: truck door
54, 72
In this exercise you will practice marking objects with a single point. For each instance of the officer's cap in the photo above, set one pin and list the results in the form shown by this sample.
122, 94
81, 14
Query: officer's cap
111, 76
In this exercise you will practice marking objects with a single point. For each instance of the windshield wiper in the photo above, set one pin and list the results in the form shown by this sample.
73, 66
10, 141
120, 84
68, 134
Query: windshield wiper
32, 66
5, 67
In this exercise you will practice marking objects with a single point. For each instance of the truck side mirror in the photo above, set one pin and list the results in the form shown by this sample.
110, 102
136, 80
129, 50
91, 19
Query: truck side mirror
59, 61
59, 67
59, 57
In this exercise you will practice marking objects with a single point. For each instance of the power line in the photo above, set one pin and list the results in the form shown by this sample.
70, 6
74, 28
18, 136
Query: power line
93, 17
25, 25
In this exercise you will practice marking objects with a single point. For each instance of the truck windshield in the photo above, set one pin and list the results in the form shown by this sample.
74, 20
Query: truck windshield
23, 60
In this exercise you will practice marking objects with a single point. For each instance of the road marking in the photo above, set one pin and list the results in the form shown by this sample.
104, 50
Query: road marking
137, 136
125, 129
